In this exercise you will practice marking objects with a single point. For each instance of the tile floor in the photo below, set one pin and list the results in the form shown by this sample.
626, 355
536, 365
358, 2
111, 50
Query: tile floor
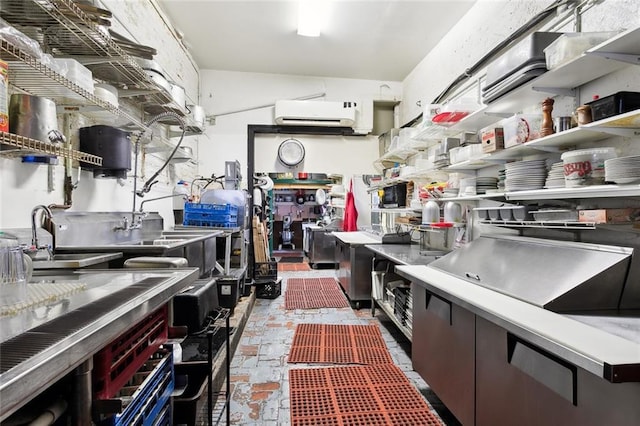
259, 369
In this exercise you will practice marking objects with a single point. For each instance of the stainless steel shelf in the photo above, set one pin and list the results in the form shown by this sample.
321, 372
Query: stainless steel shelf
35, 78
60, 150
540, 224
69, 32
388, 310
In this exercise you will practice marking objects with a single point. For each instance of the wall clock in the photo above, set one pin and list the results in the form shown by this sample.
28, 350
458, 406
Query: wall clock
291, 152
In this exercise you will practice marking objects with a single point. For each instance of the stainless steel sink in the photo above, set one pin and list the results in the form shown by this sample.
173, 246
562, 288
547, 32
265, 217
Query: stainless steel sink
74, 260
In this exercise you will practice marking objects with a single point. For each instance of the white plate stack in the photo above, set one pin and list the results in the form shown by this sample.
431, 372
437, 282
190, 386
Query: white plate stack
555, 178
525, 175
622, 170
484, 183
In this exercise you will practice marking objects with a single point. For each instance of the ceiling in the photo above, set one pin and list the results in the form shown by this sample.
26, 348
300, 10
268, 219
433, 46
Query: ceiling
374, 39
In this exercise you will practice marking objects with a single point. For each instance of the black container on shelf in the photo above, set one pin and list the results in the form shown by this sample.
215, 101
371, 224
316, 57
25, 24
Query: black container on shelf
615, 104
269, 289
228, 291
191, 306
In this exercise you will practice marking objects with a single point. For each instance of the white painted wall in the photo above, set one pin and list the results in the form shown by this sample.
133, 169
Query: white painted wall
237, 100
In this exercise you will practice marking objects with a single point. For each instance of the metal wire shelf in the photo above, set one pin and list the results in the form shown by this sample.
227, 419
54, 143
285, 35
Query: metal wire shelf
540, 224
35, 78
59, 150
69, 32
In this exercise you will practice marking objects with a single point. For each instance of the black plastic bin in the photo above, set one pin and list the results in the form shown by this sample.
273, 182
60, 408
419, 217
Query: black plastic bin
228, 291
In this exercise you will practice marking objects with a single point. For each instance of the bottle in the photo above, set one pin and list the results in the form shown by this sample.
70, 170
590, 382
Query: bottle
181, 192
430, 213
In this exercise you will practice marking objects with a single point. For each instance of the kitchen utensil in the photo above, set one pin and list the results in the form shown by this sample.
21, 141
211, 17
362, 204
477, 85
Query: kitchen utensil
113, 145
430, 213
584, 114
178, 97
452, 212
107, 93
561, 124
197, 115
321, 196
15, 272
32, 117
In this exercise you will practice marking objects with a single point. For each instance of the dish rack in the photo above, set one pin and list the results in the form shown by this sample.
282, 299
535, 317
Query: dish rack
211, 215
146, 397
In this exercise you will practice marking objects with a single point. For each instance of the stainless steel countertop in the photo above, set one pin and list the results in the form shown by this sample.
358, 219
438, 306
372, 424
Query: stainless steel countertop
52, 361
358, 238
593, 347
404, 254
152, 244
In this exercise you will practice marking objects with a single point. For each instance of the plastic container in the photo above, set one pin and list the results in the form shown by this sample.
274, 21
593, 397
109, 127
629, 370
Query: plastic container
571, 45
615, 104
586, 166
555, 215
75, 72
521, 128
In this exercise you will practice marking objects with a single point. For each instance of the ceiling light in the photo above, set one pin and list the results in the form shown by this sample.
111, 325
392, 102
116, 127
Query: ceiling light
310, 17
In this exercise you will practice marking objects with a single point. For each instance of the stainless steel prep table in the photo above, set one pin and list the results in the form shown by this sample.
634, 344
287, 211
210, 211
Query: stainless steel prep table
354, 272
592, 344
399, 254
85, 322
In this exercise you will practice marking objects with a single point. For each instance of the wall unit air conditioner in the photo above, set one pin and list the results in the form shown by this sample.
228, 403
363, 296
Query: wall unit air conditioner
315, 113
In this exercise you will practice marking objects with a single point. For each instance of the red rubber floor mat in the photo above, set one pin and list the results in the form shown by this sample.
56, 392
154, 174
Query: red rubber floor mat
339, 344
314, 293
368, 395
282, 267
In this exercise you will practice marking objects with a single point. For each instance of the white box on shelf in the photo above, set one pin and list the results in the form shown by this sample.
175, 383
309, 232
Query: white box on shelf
75, 72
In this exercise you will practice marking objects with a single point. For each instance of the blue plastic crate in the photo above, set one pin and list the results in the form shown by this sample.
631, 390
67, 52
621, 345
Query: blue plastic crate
209, 224
212, 217
150, 398
210, 208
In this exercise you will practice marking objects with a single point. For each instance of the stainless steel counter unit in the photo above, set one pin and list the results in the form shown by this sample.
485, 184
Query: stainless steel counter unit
557, 275
518, 343
110, 232
321, 245
354, 272
40, 345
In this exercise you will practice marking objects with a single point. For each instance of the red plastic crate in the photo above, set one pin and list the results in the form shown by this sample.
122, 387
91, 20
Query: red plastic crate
117, 362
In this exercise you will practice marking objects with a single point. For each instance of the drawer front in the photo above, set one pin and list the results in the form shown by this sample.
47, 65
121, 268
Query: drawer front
543, 389
443, 351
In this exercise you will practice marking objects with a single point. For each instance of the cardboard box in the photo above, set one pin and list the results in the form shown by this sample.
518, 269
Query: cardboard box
609, 215
492, 139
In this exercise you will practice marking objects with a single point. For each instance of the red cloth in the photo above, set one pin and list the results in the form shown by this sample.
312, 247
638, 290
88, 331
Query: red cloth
350, 220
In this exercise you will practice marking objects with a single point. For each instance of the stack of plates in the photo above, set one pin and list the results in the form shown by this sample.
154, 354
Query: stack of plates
622, 169
502, 177
555, 178
484, 183
525, 175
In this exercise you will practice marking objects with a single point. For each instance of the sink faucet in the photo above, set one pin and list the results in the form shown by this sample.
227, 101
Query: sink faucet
163, 197
35, 246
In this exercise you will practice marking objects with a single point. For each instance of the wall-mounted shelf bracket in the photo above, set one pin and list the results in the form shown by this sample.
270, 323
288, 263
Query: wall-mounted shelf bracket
630, 58
562, 91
